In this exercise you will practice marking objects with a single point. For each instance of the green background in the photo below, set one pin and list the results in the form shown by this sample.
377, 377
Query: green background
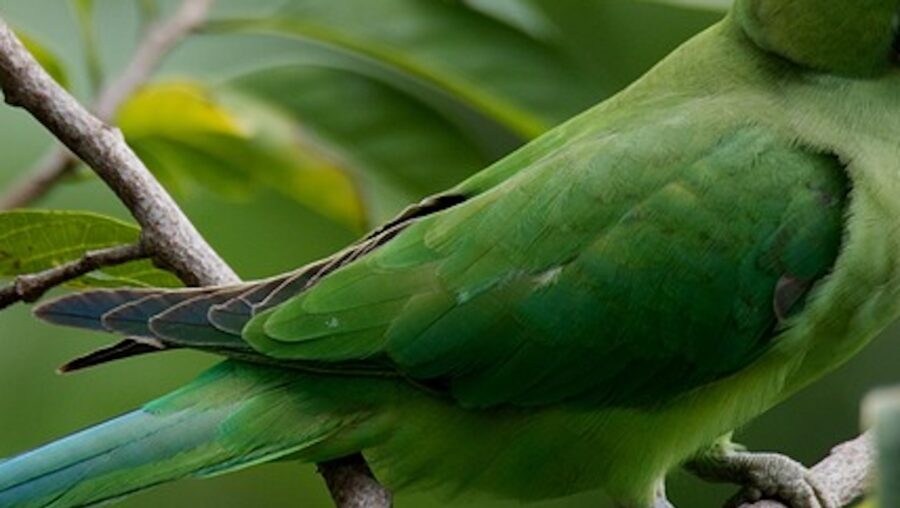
267, 233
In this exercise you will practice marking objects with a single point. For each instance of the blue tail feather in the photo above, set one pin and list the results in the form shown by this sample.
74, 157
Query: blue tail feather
187, 433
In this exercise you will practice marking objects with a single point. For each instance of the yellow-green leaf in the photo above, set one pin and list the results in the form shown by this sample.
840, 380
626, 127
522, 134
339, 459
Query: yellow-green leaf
190, 134
176, 109
399, 147
714, 5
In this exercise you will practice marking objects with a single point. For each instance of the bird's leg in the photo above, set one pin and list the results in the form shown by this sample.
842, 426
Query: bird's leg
762, 475
661, 501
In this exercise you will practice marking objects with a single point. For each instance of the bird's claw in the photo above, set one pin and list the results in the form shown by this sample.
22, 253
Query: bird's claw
770, 476
774, 476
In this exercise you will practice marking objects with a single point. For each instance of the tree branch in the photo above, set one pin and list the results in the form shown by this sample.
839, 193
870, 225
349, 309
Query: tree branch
160, 39
28, 288
172, 239
168, 235
352, 484
849, 471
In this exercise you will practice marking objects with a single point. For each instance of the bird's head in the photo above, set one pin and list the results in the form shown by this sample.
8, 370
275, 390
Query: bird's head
851, 37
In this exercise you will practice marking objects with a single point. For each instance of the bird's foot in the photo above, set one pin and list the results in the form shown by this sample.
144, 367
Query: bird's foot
764, 476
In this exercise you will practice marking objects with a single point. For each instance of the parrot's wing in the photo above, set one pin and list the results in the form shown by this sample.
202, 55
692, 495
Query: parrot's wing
213, 318
598, 275
209, 318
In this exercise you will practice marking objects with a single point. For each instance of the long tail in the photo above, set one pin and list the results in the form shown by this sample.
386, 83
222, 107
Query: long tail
233, 416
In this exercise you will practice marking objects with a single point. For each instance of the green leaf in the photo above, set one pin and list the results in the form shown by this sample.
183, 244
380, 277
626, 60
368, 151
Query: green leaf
190, 135
441, 52
713, 5
48, 60
516, 13
400, 148
36, 240
615, 42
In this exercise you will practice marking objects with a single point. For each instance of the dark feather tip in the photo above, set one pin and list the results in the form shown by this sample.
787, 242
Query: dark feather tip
123, 349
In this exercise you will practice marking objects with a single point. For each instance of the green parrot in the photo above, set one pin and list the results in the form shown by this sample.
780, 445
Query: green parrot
600, 307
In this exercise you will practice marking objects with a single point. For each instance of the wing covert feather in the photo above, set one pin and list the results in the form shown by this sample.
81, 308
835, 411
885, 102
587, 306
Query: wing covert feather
595, 277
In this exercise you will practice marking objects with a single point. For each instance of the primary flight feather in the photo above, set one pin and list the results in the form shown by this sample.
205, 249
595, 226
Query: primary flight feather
594, 310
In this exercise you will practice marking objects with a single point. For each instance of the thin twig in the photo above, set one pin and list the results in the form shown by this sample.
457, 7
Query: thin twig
848, 471
40, 179
160, 39
28, 288
167, 234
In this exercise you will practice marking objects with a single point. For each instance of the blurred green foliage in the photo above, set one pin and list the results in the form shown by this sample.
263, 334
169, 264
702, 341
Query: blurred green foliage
881, 413
47, 59
291, 126
189, 134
